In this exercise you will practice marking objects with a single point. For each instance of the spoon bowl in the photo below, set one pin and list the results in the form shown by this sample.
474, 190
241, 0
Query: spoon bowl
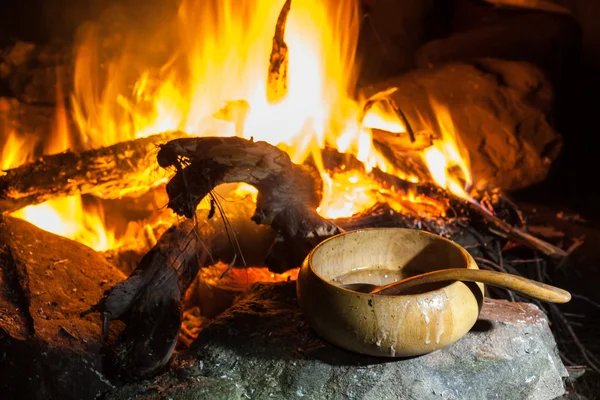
397, 321
403, 325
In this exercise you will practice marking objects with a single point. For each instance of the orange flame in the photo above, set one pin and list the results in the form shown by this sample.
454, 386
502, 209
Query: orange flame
214, 82
447, 165
65, 216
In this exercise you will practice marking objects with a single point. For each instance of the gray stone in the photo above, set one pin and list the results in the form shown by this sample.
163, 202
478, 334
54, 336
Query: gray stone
181, 388
499, 109
263, 347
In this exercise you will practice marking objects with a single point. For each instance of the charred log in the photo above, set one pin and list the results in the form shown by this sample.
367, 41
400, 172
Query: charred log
488, 220
277, 78
127, 168
149, 301
288, 197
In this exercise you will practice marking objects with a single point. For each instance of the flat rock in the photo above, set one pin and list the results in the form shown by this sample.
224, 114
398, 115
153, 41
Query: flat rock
262, 348
46, 349
499, 109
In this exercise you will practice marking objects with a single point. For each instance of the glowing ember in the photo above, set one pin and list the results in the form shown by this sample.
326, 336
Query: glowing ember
348, 193
215, 83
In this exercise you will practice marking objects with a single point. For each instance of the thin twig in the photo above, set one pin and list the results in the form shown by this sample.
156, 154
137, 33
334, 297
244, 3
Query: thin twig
496, 267
489, 263
526, 261
500, 261
592, 361
586, 299
511, 295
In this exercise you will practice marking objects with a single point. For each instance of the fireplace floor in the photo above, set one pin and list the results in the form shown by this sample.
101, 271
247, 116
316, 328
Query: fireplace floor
262, 348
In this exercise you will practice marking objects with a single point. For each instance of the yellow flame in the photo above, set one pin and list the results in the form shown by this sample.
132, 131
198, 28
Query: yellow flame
380, 117
222, 55
219, 55
15, 151
64, 216
448, 166
351, 192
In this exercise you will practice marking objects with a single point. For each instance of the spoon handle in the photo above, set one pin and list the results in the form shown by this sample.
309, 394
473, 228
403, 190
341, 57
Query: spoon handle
527, 287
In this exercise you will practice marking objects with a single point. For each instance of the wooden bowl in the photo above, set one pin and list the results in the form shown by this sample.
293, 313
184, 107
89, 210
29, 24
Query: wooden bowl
391, 326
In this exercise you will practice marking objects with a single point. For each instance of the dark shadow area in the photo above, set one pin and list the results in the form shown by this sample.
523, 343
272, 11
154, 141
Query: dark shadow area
482, 325
436, 255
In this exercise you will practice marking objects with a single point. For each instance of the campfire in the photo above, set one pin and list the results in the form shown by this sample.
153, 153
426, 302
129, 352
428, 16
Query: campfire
219, 152
290, 83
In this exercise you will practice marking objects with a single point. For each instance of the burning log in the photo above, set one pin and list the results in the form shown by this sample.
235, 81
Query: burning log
477, 214
288, 197
471, 212
277, 79
152, 299
289, 194
109, 172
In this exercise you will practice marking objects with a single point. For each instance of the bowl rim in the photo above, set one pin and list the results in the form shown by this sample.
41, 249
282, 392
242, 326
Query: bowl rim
466, 256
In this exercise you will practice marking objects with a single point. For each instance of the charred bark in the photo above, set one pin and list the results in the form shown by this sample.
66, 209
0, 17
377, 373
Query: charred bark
127, 168
288, 197
277, 78
149, 301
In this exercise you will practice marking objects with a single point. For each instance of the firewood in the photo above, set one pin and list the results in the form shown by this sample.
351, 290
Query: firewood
149, 300
277, 78
476, 214
127, 168
502, 229
289, 194
288, 197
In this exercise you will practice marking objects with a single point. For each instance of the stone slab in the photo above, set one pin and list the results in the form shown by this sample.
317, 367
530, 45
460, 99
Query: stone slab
262, 348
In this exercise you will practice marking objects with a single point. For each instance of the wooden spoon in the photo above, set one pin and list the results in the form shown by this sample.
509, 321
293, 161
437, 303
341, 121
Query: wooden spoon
527, 287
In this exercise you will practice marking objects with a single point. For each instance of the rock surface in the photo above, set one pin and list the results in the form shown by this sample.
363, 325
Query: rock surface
499, 109
262, 348
46, 349
391, 33
548, 40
